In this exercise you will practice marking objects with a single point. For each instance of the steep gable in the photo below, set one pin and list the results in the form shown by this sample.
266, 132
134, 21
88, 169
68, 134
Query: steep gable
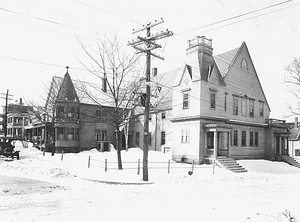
241, 75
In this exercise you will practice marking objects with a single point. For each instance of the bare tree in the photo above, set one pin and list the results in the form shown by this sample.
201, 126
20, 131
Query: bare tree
117, 73
44, 111
292, 78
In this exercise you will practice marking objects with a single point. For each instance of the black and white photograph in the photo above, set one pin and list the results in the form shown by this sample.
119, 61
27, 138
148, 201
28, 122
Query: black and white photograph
149, 110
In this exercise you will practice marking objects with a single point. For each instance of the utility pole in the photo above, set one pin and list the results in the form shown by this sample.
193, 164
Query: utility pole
149, 45
6, 110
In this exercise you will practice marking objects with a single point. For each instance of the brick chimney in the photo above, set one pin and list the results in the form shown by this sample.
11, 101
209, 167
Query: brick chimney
296, 122
200, 52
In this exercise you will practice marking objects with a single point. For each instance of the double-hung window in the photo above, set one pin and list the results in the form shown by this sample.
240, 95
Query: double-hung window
212, 99
243, 138
261, 108
186, 100
185, 136
235, 105
251, 108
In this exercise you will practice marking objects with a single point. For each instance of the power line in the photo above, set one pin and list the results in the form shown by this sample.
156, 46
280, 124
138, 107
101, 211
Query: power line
239, 16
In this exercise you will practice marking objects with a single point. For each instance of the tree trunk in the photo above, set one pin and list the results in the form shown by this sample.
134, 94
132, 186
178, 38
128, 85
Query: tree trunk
53, 140
118, 144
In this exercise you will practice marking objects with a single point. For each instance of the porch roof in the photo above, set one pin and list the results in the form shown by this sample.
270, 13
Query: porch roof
282, 133
218, 127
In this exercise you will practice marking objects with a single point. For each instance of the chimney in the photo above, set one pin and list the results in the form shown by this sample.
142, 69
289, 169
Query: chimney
21, 102
200, 44
296, 122
200, 52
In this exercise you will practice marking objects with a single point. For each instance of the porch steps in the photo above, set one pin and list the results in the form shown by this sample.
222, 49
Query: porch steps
290, 160
230, 164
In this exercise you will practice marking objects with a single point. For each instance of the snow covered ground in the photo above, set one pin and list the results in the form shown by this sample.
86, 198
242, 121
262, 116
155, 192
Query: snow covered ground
49, 188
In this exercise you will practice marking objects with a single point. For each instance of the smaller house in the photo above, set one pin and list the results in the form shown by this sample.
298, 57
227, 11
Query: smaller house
294, 140
17, 117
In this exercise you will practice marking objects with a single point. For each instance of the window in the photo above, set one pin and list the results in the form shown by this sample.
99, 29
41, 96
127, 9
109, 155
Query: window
261, 108
235, 105
98, 135
60, 111
70, 134
60, 133
137, 138
212, 99
104, 135
98, 113
244, 64
243, 138
185, 136
163, 138
297, 152
235, 137
251, 139
101, 135
225, 102
163, 115
256, 139
244, 107
104, 85
71, 111
103, 114
251, 108
186, 100
76, 133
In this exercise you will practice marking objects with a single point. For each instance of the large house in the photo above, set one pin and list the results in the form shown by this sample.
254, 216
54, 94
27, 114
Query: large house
74, 122
220, 109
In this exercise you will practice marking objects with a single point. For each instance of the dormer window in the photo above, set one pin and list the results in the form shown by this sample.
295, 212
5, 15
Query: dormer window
244, 64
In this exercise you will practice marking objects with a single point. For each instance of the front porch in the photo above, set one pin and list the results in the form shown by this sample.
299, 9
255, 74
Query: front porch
217, 137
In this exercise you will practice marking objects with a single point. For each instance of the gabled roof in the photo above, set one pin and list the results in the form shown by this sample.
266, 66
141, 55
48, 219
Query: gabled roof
81, 88
163, 83
225, 60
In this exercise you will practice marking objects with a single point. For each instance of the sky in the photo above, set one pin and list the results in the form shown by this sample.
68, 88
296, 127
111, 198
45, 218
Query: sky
40, 38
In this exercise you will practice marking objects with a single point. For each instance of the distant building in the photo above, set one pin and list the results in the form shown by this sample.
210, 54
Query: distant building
17, 117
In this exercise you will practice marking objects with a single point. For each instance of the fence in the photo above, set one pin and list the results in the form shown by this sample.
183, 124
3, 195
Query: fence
137, 165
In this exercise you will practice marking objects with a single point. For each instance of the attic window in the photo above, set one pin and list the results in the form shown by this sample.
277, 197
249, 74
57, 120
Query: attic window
244, 64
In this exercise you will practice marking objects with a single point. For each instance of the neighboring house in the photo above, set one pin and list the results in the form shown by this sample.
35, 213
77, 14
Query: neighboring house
78, 122
17, 117
294, 140
160, 114
219, 108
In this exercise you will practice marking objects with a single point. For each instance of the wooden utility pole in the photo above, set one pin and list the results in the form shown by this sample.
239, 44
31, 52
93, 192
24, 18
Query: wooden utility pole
149, 45
6, 110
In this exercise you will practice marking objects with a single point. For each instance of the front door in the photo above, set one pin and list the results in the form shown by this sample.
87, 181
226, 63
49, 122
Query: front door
210, 143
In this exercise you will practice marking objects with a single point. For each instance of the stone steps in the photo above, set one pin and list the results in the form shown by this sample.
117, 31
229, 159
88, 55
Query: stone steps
290, 160
230, 164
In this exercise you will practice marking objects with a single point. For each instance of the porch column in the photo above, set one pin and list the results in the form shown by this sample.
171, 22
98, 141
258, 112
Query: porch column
215, 143
287, 146
280, 145
228, 141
